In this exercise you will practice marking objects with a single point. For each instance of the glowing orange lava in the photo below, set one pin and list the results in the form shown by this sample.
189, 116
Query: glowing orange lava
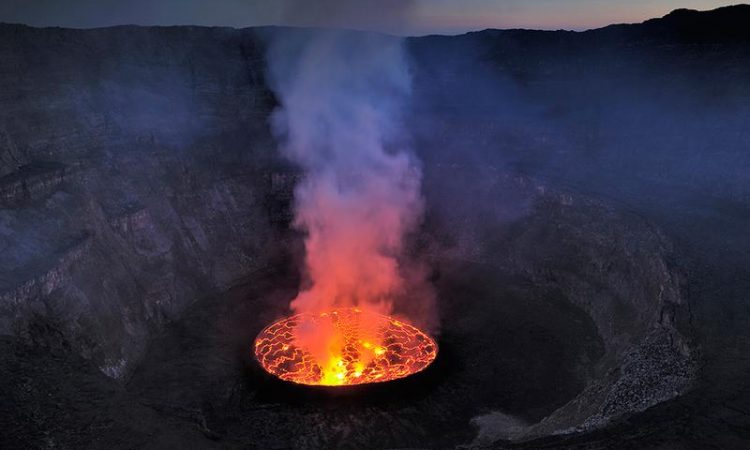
343, 347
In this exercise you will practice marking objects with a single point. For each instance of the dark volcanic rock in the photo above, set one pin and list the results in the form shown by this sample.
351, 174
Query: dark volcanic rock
131, 180
31, 183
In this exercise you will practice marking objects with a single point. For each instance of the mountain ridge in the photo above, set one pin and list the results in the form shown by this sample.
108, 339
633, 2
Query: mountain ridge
725, 20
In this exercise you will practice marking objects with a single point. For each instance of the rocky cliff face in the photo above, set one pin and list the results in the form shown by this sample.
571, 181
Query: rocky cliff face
134, 178
619, 269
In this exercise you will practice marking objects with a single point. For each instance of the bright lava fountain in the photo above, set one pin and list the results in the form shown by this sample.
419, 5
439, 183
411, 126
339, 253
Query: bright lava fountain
343, 347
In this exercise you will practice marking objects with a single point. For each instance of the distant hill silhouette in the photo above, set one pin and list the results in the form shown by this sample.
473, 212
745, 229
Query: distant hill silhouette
726, 23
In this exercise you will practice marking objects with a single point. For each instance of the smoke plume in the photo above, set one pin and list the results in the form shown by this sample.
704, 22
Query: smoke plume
343, 96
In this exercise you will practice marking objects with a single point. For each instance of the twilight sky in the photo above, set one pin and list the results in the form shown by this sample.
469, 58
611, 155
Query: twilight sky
397, 16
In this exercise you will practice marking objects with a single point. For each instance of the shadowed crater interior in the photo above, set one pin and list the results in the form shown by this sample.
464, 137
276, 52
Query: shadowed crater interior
544, 329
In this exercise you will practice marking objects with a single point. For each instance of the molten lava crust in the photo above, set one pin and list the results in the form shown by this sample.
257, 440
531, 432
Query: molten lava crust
343, 347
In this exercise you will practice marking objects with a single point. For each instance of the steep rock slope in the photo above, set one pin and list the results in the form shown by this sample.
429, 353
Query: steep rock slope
135, 173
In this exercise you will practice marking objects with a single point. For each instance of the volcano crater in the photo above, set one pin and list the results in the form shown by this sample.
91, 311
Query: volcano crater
557, 320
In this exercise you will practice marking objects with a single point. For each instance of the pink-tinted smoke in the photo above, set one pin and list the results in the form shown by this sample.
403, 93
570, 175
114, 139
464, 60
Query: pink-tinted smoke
343, 96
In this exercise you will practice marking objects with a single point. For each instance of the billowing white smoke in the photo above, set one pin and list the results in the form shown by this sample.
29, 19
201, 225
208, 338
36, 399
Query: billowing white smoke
343, 96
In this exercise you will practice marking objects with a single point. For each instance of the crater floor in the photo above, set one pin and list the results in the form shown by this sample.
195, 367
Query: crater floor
503, 347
